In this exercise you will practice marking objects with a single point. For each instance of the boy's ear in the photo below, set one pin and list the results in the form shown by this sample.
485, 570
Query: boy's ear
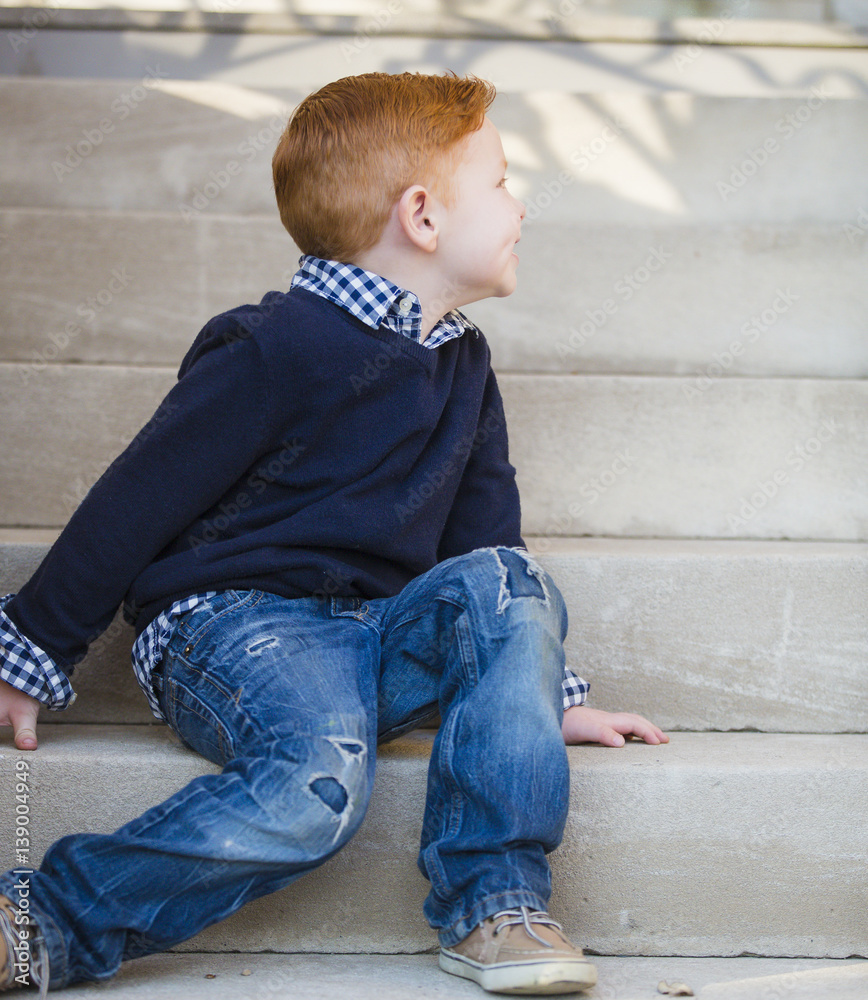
418, 216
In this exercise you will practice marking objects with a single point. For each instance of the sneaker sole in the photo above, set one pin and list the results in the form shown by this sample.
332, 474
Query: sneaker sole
565, 976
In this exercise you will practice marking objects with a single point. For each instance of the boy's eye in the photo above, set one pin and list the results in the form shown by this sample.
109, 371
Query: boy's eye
503, 182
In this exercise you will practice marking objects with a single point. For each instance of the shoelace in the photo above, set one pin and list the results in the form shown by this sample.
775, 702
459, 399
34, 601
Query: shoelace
38, 971
524, 915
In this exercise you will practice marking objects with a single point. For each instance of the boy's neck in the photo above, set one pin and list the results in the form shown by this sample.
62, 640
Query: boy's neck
411, 270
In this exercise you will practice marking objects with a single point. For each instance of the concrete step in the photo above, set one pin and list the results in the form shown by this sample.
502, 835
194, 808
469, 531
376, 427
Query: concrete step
769, 636
721, 22
396, 977
33, 47
606, 158
716, 844
596, 455
754, 300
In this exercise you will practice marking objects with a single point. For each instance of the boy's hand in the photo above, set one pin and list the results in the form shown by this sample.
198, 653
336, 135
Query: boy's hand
591, 725
19, 710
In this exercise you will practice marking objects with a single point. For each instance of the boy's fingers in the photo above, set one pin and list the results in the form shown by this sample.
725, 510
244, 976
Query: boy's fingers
24, 728
25, 739
649, 732
635, 725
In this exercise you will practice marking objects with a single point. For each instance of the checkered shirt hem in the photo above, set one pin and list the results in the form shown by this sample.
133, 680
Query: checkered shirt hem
148, 648
575, 690
29, 668
375, 300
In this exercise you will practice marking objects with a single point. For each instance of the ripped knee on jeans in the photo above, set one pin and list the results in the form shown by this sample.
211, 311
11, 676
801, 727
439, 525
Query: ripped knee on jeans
520, 576
340, 783
331, 791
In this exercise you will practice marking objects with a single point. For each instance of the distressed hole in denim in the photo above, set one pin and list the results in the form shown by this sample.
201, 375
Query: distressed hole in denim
533, 568
513, 582
331, 791
269, 642
350, 750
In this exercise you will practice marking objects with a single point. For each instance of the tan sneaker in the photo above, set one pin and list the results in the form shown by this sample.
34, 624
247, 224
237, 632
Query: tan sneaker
23, 961
520, 951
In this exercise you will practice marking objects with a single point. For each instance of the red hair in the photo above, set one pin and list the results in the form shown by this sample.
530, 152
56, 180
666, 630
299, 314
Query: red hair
351, 149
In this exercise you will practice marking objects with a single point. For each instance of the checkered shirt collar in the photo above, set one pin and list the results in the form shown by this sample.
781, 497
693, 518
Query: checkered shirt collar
375, 300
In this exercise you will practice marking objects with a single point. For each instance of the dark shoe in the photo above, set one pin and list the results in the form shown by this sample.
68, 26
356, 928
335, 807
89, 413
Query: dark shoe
520, 951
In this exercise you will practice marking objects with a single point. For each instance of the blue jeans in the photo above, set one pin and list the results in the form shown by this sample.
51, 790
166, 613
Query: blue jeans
291, 697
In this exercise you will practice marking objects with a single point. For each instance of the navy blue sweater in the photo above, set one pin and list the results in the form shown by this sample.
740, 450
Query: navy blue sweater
300, 452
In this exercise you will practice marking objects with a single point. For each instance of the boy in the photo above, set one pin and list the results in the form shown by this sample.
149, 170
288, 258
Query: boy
317, 538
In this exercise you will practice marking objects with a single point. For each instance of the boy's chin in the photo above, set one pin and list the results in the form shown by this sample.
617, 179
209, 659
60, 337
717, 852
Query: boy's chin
506, 287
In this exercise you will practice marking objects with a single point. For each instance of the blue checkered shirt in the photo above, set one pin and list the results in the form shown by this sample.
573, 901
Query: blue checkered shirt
377, 303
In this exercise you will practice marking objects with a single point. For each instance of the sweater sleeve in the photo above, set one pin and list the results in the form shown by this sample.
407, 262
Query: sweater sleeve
202, 437
486, 510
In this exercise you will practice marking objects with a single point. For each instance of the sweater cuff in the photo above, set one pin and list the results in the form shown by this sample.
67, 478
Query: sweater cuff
29, 668
575, 690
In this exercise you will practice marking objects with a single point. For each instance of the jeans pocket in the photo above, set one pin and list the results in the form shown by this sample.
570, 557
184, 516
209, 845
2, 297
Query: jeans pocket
195, 723
193, 628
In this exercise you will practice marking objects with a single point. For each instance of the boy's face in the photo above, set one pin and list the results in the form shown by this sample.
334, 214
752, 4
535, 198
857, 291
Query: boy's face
480, 228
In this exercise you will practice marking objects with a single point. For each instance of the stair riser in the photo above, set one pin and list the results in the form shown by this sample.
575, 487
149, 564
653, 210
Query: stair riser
712, 845
151, 144
596, 455
697, 301
699, 637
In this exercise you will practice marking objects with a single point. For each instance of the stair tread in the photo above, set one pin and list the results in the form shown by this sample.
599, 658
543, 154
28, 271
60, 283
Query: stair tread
597, 546
742, 751
649, 20
397, 977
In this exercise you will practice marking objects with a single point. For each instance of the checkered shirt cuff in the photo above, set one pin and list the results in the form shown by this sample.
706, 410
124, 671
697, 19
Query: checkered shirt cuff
575, 690
29, 668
